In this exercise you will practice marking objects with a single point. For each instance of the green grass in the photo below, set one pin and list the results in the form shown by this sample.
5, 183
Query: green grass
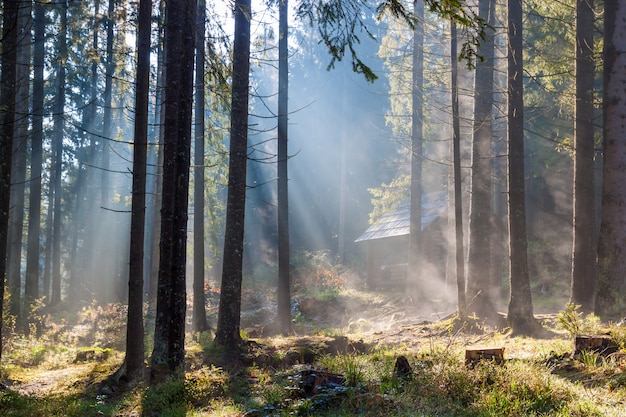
441, 385
538, 377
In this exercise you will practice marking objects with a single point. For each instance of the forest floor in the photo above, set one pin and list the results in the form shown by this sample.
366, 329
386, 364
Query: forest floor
46, 382
341, 360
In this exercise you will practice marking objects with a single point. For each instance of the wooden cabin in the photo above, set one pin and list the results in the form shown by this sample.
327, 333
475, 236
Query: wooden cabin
387, 241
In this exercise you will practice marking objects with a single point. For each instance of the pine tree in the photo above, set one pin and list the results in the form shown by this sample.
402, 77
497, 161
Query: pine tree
168, 355
228, 322
8, 89
611, 262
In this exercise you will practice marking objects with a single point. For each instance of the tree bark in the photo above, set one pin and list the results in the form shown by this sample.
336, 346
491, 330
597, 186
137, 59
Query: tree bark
107, 104
199, 319
612, 241
479, 284
87, 254
47, 267
8, 71
57, 158
159, 111
228, 322
134, 333
520, 316
20, 152
417, 122
456, 157
16, 217
584, 255
168, 355
181, 202
31, 285
284, 277
103, 287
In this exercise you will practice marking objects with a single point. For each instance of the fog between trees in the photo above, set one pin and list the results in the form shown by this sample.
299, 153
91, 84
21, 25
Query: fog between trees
351, 143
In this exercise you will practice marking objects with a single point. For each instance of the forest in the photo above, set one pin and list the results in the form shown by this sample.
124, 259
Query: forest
316, 207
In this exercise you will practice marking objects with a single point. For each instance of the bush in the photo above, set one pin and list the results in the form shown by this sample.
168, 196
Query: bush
575, 323
316, 271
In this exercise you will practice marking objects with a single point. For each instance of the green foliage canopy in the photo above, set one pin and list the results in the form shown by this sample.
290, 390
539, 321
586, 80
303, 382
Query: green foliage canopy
341, 24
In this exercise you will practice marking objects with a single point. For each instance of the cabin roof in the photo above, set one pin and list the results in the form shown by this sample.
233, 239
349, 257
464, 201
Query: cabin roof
397, 222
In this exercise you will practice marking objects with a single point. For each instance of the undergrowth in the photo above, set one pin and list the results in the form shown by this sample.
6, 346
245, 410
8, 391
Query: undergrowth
326, 376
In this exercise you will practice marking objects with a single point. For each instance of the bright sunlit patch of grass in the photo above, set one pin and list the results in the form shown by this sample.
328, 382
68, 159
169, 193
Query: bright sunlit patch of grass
219, 408
165, 399
538, 378
207, 382
26, 351
524, 389
441, 385
13, 404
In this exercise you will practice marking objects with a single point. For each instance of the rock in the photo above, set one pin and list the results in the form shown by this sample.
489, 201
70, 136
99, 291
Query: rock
311, 381
402, 369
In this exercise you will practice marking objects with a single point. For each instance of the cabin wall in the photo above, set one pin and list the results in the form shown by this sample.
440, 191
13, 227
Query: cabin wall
387, 259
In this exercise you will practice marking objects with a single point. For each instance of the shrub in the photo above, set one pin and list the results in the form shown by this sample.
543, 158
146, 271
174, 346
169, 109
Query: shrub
575, 323
316, 271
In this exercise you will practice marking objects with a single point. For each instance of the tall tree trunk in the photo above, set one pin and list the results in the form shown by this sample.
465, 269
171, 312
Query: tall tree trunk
107, 114
612, 242
499, 217
199, 319
87, 254
520, 316
344, 149
76, 273
343, 171
47, 266
168, 355
480, 300
584, 256
159, 110
16, 216
31, 285
57, 158
104, 287
134, 332
284, 276
8, 88
417, 115
20, 145
228, 321
499, 262
456, 157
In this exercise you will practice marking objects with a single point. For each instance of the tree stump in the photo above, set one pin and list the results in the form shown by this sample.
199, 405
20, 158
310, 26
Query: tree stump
402, 368
600, 343
474, 355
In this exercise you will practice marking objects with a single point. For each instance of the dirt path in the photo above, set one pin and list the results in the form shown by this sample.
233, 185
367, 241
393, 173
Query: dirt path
57, 380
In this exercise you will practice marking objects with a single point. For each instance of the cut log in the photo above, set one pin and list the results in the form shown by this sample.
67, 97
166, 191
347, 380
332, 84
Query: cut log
601, 344
474, 355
